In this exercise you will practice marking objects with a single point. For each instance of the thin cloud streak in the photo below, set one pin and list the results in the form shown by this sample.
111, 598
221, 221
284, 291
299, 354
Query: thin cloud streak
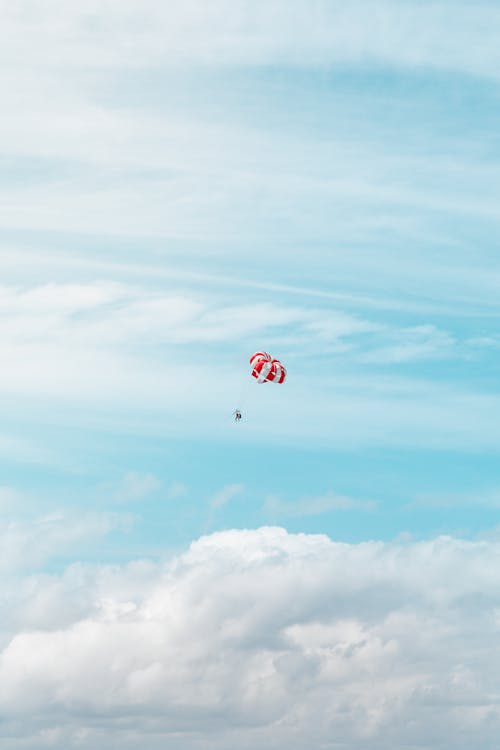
226, 495
226, 33
276, 508
60, 265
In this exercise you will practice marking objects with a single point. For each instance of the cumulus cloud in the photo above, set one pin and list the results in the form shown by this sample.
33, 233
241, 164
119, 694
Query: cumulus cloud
262, 637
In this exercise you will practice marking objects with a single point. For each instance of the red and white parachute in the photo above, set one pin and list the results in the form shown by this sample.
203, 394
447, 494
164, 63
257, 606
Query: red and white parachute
265, 369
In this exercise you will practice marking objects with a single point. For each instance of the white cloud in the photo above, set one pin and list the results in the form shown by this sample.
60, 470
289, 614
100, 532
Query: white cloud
115, 168
10, 498
487, 342
132, 487
423, 342
176, 490
123, 355
226, 494
108, 313
132, 33
485, 498
312, 506
28, 543
16, 449
105, 344
261, 637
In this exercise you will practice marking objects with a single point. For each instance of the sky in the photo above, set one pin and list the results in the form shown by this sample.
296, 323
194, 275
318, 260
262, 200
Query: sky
185, 183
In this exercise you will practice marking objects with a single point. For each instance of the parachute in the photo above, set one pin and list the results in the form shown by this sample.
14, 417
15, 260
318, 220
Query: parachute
265, 369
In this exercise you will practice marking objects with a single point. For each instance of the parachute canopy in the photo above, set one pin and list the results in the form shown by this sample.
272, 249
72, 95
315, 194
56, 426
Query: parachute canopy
266, 369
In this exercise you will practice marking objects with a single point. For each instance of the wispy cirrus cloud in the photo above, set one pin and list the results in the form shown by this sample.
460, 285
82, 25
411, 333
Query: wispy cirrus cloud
425, 342
106, 349
297, 33
120, 165
28, 543
113, 313
10, 498
225, 495
330, 502
482, 498
176, 490
133, 487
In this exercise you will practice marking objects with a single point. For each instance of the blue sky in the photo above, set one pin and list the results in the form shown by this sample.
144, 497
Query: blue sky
183, 184
341, 215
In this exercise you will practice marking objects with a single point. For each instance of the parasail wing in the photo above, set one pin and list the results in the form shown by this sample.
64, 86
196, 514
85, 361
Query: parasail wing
266, 369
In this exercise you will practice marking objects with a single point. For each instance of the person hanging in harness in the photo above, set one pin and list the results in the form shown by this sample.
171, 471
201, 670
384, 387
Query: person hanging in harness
237, 415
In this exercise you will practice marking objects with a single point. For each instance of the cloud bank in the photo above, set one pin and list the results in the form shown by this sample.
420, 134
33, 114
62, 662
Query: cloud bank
132, 33
261, 638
